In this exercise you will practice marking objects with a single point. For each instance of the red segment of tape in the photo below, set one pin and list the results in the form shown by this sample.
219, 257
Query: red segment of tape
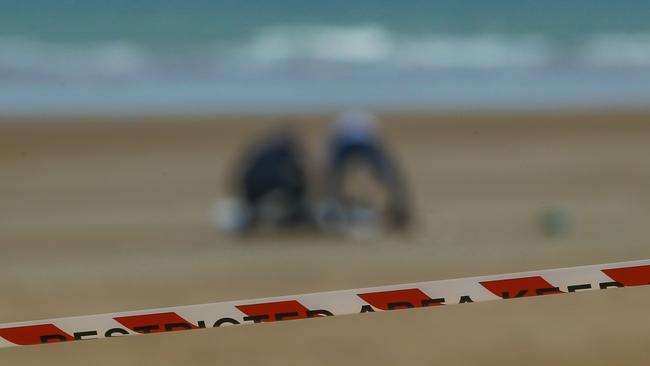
35, 334
153, 323
273, 311
399, 299
520, 287
630, 276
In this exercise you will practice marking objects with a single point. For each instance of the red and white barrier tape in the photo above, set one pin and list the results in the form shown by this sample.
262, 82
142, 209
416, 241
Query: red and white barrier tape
422, 294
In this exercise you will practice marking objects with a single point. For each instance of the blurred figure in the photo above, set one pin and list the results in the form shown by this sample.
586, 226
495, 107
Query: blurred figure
364, 185
271, 188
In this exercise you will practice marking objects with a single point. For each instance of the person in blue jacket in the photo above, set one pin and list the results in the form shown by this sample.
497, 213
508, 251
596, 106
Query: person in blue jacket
354, 144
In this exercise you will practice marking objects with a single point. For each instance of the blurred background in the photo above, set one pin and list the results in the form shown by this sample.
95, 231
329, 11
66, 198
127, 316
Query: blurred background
520, 129
205, 56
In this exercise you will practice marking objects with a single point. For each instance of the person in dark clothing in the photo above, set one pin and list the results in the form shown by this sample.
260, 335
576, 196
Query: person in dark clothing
272, 184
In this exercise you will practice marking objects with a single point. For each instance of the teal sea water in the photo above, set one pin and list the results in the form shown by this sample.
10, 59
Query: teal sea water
199, 55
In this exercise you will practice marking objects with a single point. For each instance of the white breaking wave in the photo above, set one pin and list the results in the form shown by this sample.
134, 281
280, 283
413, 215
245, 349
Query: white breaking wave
33, 58
372, 45
483, 52
618, 50
364, 44
305, 51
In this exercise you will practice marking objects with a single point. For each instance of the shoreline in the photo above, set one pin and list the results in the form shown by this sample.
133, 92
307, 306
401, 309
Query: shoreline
597, 112
521, 92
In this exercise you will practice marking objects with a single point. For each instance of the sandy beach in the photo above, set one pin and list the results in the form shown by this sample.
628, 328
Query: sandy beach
100, 215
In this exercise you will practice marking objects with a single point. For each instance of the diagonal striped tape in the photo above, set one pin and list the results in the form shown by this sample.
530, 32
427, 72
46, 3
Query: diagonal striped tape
321, 304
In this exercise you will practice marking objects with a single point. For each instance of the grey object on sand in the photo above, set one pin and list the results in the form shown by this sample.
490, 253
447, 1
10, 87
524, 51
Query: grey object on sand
557, 222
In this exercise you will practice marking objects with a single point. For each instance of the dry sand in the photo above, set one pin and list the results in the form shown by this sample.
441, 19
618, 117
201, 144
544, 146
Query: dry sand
111, 215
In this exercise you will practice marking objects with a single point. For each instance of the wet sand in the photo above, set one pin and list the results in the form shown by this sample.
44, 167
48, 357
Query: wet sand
108, 215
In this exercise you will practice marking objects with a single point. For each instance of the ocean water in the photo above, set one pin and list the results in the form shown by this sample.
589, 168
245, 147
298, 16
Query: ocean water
153, 56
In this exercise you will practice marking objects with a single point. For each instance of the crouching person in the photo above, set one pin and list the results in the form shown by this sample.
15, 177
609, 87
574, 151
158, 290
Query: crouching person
270, 188
365, 187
